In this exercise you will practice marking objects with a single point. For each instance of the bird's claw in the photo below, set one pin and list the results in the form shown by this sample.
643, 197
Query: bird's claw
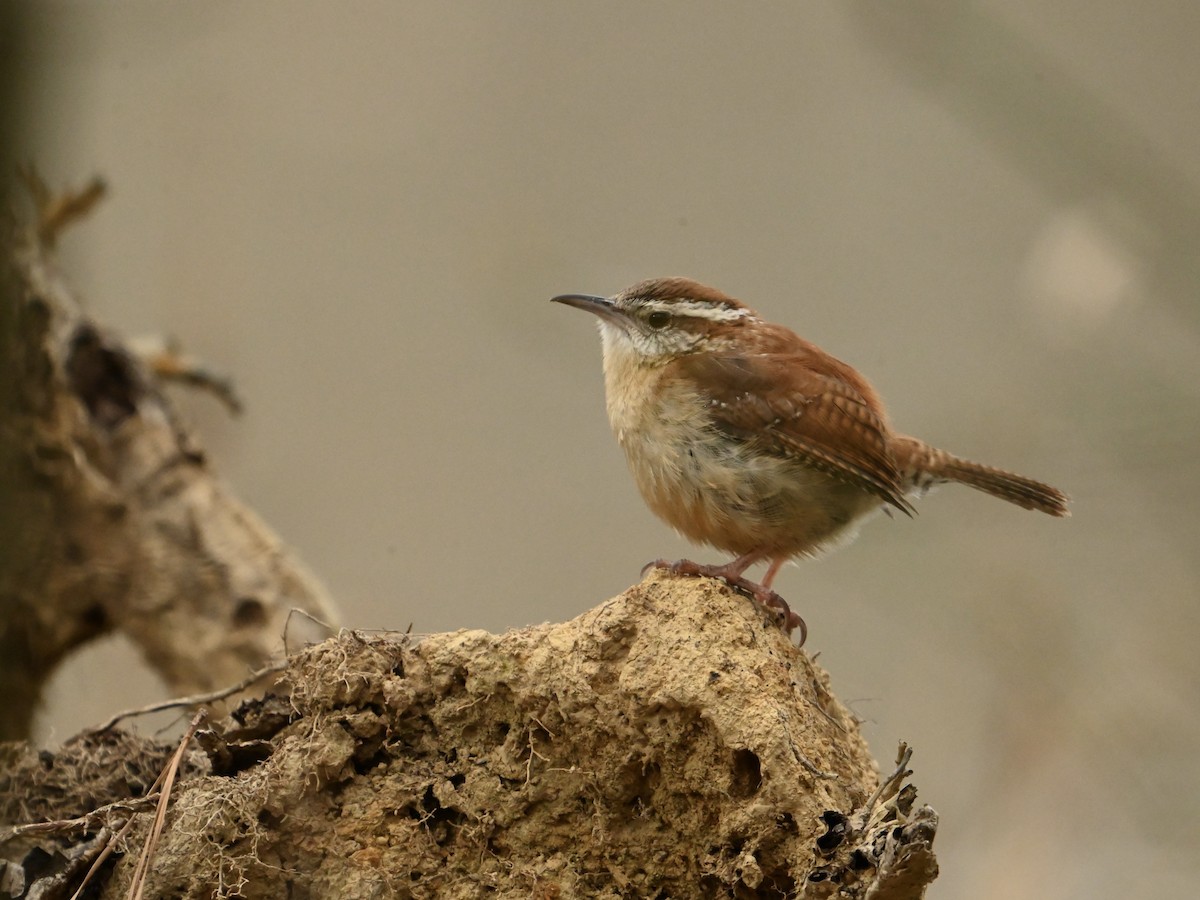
763, 596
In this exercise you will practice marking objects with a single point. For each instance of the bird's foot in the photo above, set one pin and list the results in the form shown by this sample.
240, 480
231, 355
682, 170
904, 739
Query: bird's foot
764, 596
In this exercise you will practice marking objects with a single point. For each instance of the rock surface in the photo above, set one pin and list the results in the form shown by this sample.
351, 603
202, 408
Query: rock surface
670, 742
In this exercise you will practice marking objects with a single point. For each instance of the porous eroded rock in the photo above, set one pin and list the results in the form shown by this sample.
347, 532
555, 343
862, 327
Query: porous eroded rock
668, 743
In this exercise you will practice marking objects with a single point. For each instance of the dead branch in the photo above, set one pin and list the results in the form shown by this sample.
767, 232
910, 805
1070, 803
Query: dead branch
111, 515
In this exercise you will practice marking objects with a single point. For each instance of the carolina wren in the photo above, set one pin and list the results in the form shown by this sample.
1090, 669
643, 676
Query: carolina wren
742, 435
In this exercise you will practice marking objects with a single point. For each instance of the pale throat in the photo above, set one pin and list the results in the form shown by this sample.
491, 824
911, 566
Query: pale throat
630, 379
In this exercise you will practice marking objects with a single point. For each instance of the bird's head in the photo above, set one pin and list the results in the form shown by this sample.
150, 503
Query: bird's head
661, 319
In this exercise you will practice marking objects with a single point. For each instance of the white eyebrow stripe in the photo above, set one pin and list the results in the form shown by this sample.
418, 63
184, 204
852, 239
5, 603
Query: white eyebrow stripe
698, 310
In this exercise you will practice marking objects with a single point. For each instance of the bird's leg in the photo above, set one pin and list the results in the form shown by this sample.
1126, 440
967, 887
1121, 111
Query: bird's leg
732, 573
791, 620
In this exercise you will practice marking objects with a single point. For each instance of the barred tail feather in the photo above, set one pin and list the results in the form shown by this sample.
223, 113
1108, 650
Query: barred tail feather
924, 466
1024, 492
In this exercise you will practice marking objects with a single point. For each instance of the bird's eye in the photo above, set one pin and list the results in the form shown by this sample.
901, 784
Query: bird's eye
658, 319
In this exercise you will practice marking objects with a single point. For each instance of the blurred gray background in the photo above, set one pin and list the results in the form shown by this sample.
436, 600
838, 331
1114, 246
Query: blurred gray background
360, 210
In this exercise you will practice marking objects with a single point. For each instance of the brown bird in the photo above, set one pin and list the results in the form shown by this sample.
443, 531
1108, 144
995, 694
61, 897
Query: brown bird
744, 436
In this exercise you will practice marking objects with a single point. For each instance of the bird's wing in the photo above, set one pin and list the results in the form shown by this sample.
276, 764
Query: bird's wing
804, 406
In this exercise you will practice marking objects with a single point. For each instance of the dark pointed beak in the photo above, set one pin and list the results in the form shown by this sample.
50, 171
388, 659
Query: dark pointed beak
600, 306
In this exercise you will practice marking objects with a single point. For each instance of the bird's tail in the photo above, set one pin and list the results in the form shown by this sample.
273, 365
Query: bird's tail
924, 466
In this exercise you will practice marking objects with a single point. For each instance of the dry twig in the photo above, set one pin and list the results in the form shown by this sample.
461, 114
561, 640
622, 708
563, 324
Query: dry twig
195, 699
